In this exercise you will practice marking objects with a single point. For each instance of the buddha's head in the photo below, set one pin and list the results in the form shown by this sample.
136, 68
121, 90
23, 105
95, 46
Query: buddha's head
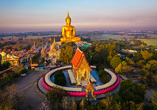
68, 19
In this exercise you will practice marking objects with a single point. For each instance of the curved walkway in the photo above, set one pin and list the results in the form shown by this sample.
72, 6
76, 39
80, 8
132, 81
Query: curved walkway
48, 84
51, 84
110, 83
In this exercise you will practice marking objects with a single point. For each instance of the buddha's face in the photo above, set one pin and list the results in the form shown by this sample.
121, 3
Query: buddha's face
68, 22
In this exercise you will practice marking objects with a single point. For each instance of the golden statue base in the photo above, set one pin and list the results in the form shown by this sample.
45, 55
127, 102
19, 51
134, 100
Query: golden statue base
75, 39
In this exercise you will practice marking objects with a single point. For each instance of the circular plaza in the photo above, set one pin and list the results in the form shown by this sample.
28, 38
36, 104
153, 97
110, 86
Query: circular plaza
80, 90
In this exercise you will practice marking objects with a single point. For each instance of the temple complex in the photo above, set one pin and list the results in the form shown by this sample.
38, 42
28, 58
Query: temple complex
68, 32
4, 57
14, 58
81, 68
54, 52
33, 49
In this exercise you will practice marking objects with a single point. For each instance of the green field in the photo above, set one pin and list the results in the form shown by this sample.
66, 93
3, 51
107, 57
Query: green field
7, 37
32, 37
150, 41
109, 36
29, 37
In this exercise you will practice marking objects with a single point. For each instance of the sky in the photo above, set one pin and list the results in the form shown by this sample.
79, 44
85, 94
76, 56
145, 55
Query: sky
86, 15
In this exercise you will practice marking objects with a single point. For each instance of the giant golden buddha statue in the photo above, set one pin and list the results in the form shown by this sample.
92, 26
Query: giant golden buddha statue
68, 31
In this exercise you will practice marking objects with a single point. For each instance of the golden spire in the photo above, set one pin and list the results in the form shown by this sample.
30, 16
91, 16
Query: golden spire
54, 41
42, 50
53, 45
34, 46
68, 17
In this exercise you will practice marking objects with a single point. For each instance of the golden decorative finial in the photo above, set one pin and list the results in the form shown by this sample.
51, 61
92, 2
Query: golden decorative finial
68, 17
31, 60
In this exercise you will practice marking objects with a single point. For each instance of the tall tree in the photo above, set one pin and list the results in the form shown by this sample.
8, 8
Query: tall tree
118, 69
115, 61
130, 61
146, 55
137, 56
67, 54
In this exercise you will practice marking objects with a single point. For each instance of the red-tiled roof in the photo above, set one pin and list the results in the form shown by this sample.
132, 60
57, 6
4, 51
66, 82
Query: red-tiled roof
48, 49
26, 54
31, 52
77, 59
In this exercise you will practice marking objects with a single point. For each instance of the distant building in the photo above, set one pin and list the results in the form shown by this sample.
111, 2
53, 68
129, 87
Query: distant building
15, 57
128, 51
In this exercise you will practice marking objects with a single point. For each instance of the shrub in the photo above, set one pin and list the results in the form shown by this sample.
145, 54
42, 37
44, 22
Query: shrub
103, 76
99, 67
60, 78
101, 72
23, 71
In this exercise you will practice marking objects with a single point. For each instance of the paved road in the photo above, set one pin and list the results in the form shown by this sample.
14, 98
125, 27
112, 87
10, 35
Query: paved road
27, 87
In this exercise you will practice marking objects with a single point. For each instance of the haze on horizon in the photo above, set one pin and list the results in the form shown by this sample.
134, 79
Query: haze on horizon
47, 15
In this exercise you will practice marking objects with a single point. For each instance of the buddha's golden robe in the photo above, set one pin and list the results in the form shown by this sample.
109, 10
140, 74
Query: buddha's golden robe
68, 32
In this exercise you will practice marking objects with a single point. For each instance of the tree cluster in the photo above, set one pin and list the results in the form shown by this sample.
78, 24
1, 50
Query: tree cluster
10, 100
130, 91
100, 53
60, 78
7, 77
103, 76
147, 63
4, 65
138, 43
67, 52
35, 58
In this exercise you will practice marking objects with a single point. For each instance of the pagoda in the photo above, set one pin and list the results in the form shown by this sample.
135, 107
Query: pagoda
43, 54
34, 46
81, 68
90, 88
52, 52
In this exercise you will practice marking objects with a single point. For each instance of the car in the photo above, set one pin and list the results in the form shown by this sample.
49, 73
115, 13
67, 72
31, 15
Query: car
24, 74
58, 64
149, 100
